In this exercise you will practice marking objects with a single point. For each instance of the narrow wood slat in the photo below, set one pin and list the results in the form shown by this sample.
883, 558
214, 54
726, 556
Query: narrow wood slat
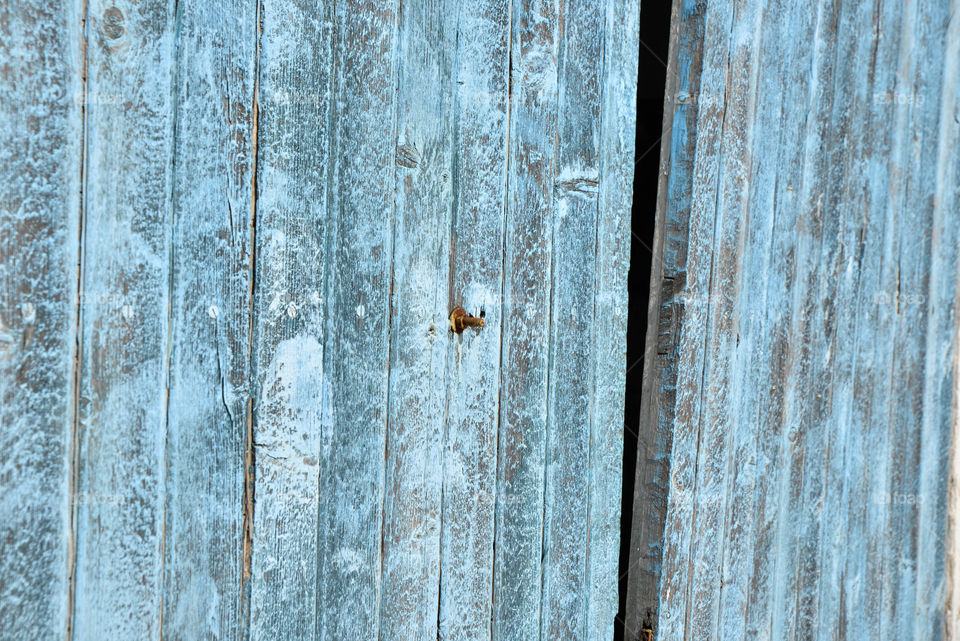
357, 325
936, 105
41, 134
206, 546
526, 330
680, 538
839, 86
293, 147
937, 390
124, 320
665, 317
571, 460
863, 205
474, 270
424, 169
617, 136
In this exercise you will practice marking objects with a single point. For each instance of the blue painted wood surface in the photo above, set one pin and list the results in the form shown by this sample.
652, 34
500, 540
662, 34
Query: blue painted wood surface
816, 367
41, 155
232, 234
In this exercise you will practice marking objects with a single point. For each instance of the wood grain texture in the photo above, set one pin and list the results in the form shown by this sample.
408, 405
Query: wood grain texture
569, 451
526, 311
422, 198
293, 173
470, 484
208, 431
41, 134
816, 372
124, 321
947, 199
356, 347
616, 150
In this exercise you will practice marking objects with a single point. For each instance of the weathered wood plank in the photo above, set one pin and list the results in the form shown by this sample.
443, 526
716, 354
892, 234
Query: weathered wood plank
936, 108
571, 460
471, 492
358, 279
293, 148
617, 136
419, 332
665, 316
526, 330
41, 134
209, 423
936, 386
124, 320
677, 584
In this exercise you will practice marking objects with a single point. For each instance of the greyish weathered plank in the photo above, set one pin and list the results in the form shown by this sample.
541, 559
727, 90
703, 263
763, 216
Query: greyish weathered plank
419, 333
206, 544
359, 265
677, 581
665, 316
293, 172
526, 328
124, 320
41, 134
475, 274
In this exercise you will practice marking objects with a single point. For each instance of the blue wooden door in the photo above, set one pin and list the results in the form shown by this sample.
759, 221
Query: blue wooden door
798, 471
233, 233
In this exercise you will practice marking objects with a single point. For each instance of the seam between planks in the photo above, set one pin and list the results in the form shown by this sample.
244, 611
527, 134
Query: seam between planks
73, 466
328, 242
249, 460
503, 275
544, 530
390, 251
594, 348
175, 46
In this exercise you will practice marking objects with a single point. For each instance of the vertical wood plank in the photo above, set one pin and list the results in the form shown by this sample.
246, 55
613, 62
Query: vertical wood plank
41, 133
356, 347
617, 138
424, 167
677, 582
206, 542
946, 289
124, 320
470, 487
293, 147
526, 307
571, 467
939, 116
665, 316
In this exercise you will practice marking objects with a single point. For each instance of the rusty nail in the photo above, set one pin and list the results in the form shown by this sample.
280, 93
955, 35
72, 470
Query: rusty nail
460, 319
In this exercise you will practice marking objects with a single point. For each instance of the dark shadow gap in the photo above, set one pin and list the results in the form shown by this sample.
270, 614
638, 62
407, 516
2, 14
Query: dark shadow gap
652, 72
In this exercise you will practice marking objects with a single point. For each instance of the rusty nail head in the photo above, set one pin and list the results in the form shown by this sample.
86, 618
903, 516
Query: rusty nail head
460, 320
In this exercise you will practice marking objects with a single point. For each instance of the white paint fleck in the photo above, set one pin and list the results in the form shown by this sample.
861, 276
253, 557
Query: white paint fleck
29, 313
213, 311
361, 310
127, 311
291, 310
